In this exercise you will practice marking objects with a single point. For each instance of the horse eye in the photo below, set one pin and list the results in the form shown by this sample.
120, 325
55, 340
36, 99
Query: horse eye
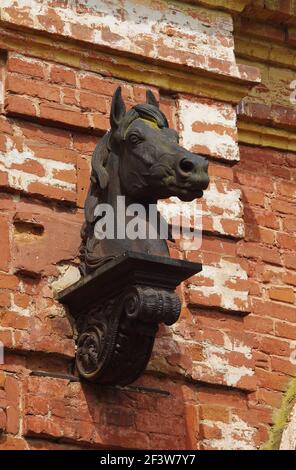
134, 139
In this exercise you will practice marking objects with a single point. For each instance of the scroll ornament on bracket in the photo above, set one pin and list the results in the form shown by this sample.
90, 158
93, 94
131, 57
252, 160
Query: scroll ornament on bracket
127, 285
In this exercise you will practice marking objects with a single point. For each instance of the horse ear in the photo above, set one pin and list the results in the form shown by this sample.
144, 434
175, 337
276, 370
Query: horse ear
117, 109
151, 99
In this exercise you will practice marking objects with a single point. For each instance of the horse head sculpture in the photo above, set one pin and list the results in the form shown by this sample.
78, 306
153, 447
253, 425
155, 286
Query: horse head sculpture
138, 158
128, 283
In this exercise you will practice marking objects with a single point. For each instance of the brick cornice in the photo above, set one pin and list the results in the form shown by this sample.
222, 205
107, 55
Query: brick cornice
264, 136
233, 6
265, 51
195, 81
272, 12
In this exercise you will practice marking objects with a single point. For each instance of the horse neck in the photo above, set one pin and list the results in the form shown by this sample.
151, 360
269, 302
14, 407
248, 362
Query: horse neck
157, 247
114, 186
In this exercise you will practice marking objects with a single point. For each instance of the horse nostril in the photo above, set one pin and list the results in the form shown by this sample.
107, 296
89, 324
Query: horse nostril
186, 165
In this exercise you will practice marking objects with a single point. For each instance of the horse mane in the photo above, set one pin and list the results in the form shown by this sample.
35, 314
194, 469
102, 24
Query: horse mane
144, 111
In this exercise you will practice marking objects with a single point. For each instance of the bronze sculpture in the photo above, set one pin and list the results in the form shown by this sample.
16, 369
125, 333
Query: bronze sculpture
128, 285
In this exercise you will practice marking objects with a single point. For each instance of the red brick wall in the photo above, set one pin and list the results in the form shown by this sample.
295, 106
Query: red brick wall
226, 363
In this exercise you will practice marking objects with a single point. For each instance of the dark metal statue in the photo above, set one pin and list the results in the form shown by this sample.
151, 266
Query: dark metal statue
128, 285
141, 159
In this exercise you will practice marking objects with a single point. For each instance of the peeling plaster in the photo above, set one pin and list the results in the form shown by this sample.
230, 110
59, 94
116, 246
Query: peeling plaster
69, 274
140, 28
236, 435
19, 179
215, 358
220, 145
223, 273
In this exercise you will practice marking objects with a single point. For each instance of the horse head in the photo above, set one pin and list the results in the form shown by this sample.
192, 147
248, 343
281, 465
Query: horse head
141, 159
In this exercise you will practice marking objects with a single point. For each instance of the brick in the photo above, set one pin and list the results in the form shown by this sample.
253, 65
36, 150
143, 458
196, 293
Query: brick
21, 300
260, 182
69, 176
255, 251
8, 281
35, 88
12, 443
20, 106
83, 175
214, 413
63, 115
272, 380
2, 421
289, 224
30, 166
13, 418
92, 101
289, 260
36, 405
52, 192
270, 398
251, 196
259, 234
283, 294
286, 241
2, 379
40, 425
12, 389
6, 338
274, 310
119, 417
285, 330
5, 125
47, 135
289, 278
270, 345
259, 324
100, 122
32, 68
4, 178
282, 365
10, 319
263, 218
64, 154
5, 243
286, 189
69, 96
3, 143
62, 75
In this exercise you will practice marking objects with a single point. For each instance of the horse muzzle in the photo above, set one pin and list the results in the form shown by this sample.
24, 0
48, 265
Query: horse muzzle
192, 172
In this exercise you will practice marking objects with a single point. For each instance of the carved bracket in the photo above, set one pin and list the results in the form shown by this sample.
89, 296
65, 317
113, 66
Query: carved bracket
117, 310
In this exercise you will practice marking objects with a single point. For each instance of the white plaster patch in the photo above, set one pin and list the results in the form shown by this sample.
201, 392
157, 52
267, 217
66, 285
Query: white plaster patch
155, 29
26, 312
236, 435
21, 180
223, 115
228, 203
221, 274
215, 361
182, 215
222, 204
229, 200
68, 276
288, 441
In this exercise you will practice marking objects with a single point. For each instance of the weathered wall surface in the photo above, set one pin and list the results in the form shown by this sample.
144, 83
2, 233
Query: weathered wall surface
226, 363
